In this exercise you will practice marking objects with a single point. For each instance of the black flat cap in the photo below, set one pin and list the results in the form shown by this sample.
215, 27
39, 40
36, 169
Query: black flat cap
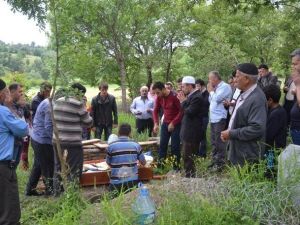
2, 84
248, 68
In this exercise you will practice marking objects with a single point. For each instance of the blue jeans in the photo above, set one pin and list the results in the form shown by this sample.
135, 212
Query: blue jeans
107, 131
175, 143
295, 136
202, 147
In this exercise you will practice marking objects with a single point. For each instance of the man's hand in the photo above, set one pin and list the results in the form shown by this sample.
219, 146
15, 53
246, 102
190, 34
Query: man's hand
226, 103
181, 96
210, 88
225, 135
171, 127
155, 129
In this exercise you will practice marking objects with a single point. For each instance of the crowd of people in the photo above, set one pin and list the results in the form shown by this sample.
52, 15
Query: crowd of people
246, 121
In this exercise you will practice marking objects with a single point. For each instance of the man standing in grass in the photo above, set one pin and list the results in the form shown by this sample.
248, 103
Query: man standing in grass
170, 127
104, 112
45, 90
247, 125
70, 116
10, 127
276, 125
191, 132
219, 91
142, 108
122, 157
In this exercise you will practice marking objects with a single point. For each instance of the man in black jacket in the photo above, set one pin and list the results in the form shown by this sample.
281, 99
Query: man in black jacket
104, 112
191, 132
200, 85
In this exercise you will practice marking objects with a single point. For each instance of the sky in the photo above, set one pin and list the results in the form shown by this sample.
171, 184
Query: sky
17, 28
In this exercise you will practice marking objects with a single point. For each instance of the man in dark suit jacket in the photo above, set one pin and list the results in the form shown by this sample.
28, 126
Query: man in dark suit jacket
247, 125
191, 132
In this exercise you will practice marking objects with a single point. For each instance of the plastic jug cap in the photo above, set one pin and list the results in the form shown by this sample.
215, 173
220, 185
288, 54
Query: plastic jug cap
144, 191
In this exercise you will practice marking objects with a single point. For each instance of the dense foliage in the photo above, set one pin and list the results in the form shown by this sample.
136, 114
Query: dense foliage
134, 42
23, 58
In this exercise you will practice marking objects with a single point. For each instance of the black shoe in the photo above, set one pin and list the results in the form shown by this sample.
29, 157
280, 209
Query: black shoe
33, 193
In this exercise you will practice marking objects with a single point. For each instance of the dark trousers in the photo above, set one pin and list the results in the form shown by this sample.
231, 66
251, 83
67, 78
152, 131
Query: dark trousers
202, 147
189, 152
218, 146
107, 131
74, 161
145, 124
117, 189
10, 211
175, 143
288, 105
43, 165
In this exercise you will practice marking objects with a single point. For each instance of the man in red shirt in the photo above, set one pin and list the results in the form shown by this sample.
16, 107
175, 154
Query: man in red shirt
170, 126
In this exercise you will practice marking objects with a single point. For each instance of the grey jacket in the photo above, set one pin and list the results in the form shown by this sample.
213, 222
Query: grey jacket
248, 130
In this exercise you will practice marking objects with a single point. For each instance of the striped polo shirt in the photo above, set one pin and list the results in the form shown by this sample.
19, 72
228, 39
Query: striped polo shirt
70, 116
122, 156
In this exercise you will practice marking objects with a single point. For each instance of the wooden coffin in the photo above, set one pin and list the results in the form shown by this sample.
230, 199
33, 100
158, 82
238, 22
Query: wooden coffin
102, 177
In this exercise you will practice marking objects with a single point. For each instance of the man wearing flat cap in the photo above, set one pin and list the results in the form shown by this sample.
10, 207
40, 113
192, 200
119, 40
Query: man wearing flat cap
191, 132
247, 126
10, 128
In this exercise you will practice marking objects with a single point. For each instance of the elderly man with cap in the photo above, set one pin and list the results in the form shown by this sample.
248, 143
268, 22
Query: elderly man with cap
191, 132
247, 125
10, 127
142, 108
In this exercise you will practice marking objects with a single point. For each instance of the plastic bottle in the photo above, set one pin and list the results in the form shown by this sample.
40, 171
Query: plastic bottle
289, 171
144, 207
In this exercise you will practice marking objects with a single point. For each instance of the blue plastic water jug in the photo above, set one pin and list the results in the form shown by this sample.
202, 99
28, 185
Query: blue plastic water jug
144, 206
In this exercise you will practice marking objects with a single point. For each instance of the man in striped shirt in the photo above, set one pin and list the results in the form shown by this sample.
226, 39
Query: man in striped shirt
122, 157
70, 116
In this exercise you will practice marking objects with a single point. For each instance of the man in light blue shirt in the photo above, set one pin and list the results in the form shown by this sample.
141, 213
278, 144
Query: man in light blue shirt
142, 107
10, 127
219, 91
41, 142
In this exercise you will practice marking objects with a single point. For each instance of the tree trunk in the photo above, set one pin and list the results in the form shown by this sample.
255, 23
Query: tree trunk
168, 72
59, 153
149, 74
122, 67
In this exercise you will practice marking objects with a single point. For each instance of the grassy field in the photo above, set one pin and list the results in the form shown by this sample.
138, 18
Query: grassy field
113, 89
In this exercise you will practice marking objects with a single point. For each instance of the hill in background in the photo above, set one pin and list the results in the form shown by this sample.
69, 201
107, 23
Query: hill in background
31, 60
